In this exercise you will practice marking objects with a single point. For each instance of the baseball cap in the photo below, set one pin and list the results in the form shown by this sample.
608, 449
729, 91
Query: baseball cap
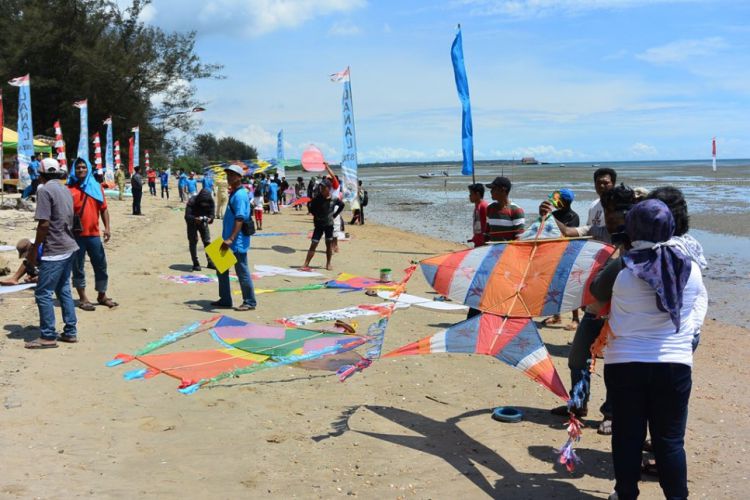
23, 246
501, 182
236, 169
51, 166
567, 195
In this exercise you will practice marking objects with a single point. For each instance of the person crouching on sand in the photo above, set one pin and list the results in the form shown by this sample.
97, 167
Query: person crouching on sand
324, 209
23, 246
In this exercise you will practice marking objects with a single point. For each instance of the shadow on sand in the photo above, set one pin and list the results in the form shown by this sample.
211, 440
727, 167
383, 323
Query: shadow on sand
450, 443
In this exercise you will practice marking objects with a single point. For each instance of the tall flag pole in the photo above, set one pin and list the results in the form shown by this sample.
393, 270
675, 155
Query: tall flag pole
280, 153
349, 156
60, 145
462, 86
713, 154
83, 139
136, 145
25, 129
118, 158
109, 158
98, 155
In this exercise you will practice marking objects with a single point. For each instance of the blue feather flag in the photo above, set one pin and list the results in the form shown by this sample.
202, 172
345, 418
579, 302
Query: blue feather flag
462, 86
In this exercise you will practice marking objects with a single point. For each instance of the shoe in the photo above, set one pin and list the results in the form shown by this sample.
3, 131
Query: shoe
196, 267
563, 411
245, 307
219, 303
210, 266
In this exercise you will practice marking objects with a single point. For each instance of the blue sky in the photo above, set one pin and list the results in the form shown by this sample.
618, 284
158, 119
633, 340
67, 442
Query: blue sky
561, 80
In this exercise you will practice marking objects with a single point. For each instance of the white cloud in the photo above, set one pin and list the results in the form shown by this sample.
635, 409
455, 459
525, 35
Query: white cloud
683, 50
256, 136
643, 150
251, 18
344, 28
534, 8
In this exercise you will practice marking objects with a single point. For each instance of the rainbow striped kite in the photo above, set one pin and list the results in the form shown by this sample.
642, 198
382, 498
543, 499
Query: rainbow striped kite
514, 341
520, 278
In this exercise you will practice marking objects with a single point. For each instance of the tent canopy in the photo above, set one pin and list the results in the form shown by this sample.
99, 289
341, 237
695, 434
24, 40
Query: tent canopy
10, 142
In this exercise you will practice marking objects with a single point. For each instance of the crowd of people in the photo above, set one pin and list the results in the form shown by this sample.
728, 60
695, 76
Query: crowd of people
653, 291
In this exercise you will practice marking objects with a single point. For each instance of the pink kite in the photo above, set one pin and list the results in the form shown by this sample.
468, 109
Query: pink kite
312, 159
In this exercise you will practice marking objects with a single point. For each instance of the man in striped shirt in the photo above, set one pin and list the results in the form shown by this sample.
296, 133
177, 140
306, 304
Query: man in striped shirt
505, 219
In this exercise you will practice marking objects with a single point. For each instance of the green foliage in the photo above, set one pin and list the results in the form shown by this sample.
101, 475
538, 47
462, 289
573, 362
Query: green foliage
76, 49
188, 164
210, 148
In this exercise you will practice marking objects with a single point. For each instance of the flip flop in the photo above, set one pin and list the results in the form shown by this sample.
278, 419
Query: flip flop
109, 303
86, 306
38, 344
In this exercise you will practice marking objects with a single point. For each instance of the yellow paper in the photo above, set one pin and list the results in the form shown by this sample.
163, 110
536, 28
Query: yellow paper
222, 259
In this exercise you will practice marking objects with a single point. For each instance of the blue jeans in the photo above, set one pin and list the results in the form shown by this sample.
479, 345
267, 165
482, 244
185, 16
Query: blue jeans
656, 394
579, 358
91, 245
246, 283
54, 277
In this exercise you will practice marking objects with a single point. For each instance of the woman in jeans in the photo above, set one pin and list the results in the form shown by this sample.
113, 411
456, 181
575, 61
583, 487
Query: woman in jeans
657, 305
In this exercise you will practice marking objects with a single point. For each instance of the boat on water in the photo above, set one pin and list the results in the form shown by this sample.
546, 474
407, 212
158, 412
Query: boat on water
595, 165
430, 175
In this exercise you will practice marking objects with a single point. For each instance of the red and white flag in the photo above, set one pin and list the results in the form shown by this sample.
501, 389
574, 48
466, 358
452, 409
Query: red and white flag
21, 81
97, 153
713, 147
148, 160
60, 145
81, 104
341, 76
118, 159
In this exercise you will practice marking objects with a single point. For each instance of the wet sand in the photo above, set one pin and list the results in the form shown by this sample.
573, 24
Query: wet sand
412, 427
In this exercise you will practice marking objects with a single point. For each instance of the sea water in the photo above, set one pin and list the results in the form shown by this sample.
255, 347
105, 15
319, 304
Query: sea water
440, 207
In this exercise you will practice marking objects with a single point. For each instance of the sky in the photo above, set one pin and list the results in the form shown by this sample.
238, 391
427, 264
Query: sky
560, 80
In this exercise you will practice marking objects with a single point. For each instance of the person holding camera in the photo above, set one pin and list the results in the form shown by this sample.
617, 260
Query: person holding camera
199, 213
237, 227
54, 216
89, 205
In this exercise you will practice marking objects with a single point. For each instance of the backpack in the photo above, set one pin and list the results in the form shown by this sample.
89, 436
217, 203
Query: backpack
365, 199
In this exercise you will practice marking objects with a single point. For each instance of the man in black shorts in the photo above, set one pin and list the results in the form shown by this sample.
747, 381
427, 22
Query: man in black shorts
324, 209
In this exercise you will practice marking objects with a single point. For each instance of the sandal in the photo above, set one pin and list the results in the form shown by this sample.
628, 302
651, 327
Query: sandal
605, 427
86, 306
108, 302
244, 307
552, 320
40, 344
69, 339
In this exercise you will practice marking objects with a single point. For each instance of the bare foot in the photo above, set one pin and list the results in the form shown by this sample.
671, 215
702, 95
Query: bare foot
329, 267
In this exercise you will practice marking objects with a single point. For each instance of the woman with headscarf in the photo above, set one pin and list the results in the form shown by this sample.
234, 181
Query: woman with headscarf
89, 204
656, 308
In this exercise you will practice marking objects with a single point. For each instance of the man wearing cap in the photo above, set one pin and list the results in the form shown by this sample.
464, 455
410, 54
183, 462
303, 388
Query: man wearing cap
236, 232
505, 219
22, 247
479, 220
565, 213
54, 216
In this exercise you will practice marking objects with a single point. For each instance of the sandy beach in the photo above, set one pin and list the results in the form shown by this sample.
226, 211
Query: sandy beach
410, 427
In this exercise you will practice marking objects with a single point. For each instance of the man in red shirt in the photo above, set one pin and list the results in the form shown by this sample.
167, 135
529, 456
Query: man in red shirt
151, 178
479, 221
89, 205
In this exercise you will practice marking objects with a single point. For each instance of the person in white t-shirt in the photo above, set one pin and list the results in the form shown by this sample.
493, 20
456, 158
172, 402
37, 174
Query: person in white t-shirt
657, 306
604, 180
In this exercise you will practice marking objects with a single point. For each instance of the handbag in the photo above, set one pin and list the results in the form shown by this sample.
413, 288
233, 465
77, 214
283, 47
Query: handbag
77, 224
248, 226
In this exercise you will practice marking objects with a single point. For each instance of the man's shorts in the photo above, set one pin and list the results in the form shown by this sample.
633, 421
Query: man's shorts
318, 232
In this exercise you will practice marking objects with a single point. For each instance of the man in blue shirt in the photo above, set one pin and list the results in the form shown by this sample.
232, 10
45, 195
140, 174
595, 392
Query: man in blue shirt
33, 170
164, 181
273, 197
181, 184
191, 184
236, 235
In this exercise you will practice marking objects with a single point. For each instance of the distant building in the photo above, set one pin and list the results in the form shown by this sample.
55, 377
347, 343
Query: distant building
529, 160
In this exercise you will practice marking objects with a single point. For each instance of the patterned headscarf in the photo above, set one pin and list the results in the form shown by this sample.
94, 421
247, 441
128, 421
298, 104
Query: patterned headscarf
653, 258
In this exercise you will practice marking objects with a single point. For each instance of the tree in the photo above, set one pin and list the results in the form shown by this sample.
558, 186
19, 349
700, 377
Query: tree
76, 49
226, 148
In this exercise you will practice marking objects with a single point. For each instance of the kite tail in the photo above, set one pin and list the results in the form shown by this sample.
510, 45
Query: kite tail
579, 391
597, 348
283, 361
347, 371
568, 456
